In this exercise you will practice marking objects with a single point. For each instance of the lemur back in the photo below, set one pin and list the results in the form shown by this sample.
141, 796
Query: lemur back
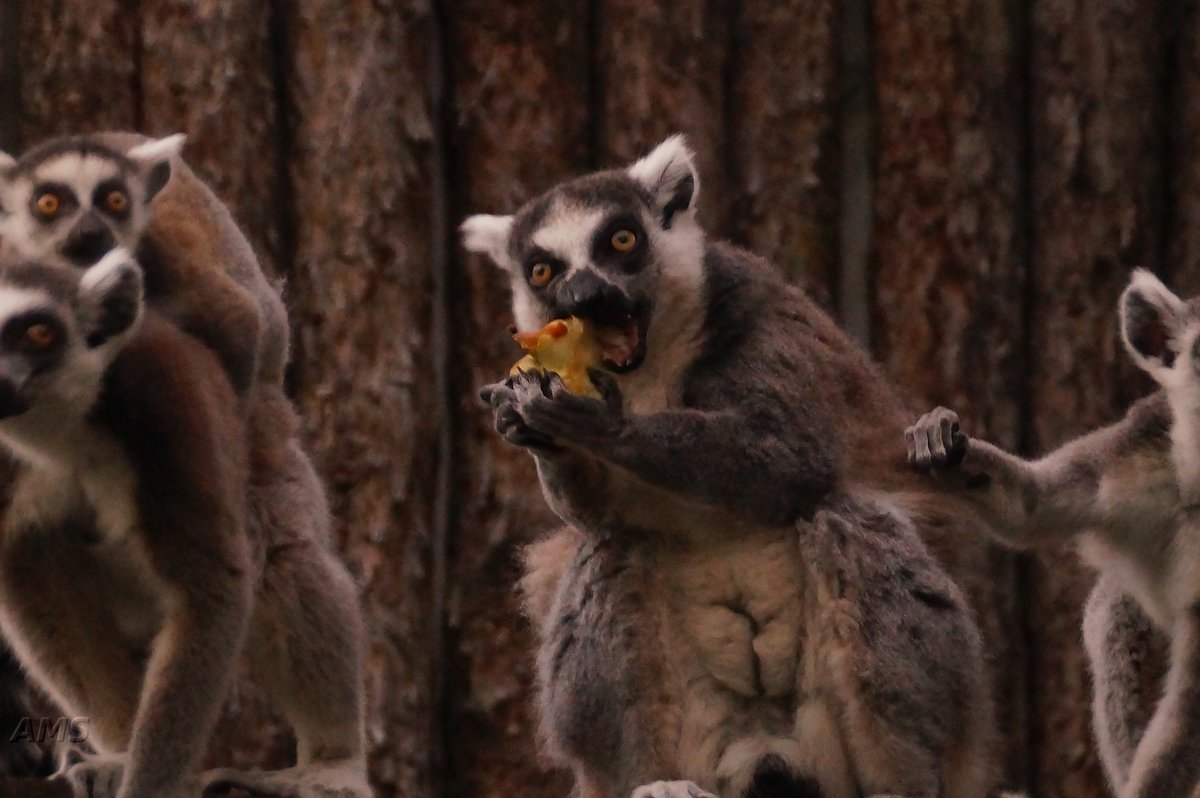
679, 612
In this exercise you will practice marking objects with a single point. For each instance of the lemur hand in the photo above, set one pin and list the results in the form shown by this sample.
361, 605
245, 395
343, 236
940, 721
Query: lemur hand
505, 418
936, 441
548, 409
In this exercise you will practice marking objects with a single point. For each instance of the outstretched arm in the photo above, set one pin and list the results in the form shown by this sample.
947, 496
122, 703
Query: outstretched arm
1024, 502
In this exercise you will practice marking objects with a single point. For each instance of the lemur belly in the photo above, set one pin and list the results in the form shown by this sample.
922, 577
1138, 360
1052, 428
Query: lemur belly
713, 625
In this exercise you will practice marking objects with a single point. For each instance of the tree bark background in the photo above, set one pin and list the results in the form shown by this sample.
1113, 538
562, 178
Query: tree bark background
971, 190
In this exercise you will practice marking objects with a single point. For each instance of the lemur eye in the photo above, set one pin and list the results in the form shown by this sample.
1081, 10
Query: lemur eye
116, 201
40, 335
541, 274
48, 204
624, 240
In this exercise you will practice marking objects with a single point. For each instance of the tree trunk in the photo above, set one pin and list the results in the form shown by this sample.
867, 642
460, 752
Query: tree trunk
949, 265
365, 369
1097, 196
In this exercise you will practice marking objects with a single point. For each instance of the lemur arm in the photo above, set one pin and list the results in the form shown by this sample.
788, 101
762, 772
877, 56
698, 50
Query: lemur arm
749, 458
1030, 501
183, 434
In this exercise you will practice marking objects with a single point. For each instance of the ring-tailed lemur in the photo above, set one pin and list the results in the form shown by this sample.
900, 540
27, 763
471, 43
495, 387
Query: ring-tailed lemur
1132, 490
699, 630
202, 275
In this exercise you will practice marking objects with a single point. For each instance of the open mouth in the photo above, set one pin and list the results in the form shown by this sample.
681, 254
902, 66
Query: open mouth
622, 336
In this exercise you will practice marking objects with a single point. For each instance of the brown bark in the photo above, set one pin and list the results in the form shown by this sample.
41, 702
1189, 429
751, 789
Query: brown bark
1097, 191
661, 69
520, 124
362, 167
949, 266
1183, 164
223, 96
783, 135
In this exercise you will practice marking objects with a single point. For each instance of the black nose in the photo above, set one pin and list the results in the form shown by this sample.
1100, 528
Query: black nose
589, 295
88, 243
11, 401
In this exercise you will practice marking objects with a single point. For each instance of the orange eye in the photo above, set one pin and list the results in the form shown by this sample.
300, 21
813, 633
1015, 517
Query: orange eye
48, 204
624, 240
116, 201
541, 274
40, 335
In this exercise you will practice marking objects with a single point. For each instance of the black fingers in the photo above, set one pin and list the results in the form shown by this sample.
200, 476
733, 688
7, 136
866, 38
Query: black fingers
936, 440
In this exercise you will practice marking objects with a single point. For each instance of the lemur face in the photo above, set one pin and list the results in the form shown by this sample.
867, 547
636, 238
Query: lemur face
605, 247
60, 329
1162, 332
74, 199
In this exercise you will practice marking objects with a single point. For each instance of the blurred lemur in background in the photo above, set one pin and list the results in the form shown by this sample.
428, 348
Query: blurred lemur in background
740, 602
69, 201
1132, 490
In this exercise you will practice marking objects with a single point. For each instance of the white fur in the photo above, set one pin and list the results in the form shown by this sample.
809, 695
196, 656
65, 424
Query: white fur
6, 161
81, 173
568, 232
14, 301
154, 152
488, 235
666, 165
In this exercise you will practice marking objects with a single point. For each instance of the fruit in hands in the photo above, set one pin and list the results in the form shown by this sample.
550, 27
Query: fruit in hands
566, 347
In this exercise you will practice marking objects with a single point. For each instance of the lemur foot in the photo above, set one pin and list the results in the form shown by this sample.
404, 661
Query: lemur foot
335, 780
95, 776
671, 789
936, 440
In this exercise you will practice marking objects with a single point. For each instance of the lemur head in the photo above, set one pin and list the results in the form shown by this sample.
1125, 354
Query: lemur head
59, 331
607, 247
73, 199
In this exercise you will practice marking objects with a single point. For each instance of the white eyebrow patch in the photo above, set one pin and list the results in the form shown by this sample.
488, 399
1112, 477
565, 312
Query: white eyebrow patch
81, 173
568, 233
15, 301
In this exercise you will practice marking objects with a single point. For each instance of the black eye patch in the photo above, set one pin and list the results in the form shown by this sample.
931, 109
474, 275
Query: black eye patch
43, 349
101, 198
67, 201
605, 252
538, 255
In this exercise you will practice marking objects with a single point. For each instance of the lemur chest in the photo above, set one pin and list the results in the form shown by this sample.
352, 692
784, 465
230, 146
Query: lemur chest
87, 504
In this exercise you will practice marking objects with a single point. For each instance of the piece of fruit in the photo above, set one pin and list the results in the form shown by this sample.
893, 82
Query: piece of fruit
566, 347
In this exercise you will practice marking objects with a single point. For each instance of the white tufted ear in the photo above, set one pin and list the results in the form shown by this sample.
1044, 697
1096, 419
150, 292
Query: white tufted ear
7, 162
154, 160
487, 235
669, 174
1151, 316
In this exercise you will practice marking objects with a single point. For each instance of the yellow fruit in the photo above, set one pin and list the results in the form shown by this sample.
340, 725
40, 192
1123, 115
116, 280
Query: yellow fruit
566, 347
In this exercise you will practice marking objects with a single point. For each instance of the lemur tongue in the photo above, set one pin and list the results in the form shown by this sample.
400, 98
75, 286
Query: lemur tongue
619, 344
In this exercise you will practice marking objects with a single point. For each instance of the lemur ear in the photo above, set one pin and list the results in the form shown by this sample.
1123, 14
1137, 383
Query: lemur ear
487, 235
1150, 317
7, 162
669, 175
154, 160
110, 294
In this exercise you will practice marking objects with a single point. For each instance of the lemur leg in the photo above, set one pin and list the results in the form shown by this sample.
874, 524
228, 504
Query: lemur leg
306, 646
901, 657
1167, 761
71, 645
1125, 653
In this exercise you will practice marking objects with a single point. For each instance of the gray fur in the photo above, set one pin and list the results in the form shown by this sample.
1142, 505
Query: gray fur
690, 639
1130, 491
